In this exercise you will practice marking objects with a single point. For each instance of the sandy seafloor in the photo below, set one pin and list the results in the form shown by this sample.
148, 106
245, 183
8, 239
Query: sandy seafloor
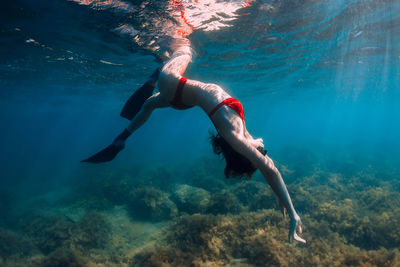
142, 216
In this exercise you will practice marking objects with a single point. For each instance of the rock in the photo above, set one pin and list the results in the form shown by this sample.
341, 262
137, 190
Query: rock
149, 203
63, 257
246, 190
48, 231
92, 231
12, 244
191, 199
224, 203
265, 199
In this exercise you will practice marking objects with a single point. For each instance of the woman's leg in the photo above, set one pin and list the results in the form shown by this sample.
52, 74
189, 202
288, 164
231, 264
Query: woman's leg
173, 70
153, 102
179, 61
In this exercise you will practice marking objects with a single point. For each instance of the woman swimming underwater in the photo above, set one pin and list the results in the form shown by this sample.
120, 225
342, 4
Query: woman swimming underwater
242, 152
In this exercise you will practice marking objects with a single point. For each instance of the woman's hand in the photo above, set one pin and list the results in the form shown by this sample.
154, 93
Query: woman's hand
294, 229
257, 142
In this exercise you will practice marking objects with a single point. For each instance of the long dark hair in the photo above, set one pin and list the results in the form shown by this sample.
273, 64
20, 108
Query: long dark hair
237, 166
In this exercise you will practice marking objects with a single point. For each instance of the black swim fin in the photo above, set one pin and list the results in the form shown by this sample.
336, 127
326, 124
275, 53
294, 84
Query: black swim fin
110, 152
105, 155
137, 99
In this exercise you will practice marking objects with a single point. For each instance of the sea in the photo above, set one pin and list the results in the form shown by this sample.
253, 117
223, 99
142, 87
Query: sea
319, 81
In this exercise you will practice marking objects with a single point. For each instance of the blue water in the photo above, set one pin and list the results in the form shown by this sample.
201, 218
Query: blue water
315, 76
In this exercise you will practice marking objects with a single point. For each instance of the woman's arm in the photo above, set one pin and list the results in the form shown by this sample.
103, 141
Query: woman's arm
270, 173
274, 179
254, 142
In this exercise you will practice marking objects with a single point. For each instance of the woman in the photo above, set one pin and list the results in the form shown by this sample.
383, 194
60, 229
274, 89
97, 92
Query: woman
228, 117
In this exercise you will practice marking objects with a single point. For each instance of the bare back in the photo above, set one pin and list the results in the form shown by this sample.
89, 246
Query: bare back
194, 93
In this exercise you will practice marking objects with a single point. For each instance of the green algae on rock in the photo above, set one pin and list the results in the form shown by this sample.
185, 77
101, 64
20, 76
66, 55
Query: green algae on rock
190, 199
149, 203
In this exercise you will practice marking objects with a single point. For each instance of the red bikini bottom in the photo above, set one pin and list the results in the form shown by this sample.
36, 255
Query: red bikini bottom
233, 104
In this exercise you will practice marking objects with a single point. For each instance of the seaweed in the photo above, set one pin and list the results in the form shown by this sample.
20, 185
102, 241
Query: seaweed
224, 203
92, 231
254, 238
149, 203
63, 257
263, 200
349, 219
117, 191
207, 173
246, 190
15, 245
378, 199
190, 199
48, 231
